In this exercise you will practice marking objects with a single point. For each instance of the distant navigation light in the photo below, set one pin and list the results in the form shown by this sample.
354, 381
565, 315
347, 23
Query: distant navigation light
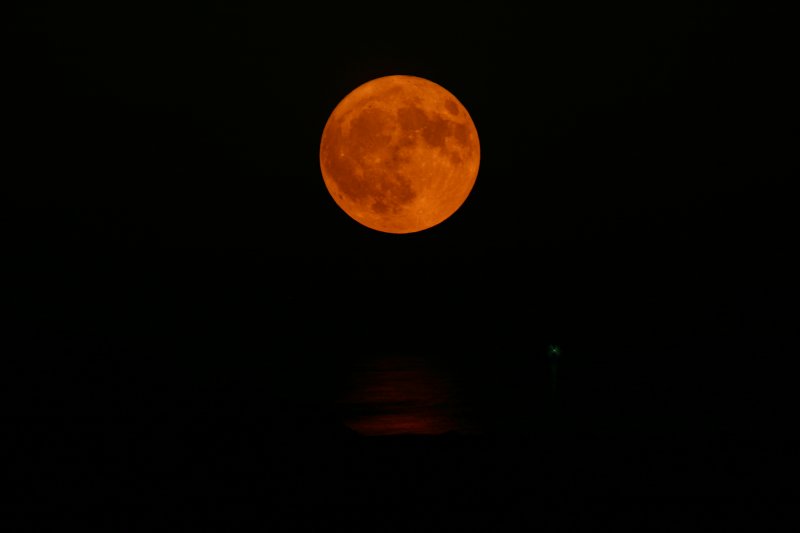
553, 351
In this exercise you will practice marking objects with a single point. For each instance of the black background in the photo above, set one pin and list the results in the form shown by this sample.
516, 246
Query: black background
178, 267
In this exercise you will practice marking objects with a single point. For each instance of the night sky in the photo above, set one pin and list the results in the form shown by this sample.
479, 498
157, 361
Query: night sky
175, 254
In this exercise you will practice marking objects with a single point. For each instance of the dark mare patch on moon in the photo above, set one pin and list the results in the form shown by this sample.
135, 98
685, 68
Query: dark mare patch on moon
368, 131
433, 129
451, 107
395, 193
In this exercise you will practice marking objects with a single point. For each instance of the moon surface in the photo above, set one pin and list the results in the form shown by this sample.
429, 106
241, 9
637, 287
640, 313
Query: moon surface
399, 154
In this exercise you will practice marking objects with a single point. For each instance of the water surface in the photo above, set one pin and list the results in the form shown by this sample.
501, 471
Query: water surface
393, 395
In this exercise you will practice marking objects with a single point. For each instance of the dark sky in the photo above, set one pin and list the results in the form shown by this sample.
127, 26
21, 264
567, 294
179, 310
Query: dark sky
173, 246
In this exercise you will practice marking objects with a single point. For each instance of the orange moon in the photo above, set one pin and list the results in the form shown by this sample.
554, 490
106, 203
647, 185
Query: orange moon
399, 154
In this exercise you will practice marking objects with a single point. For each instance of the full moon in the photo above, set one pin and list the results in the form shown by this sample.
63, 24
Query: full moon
399, 154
